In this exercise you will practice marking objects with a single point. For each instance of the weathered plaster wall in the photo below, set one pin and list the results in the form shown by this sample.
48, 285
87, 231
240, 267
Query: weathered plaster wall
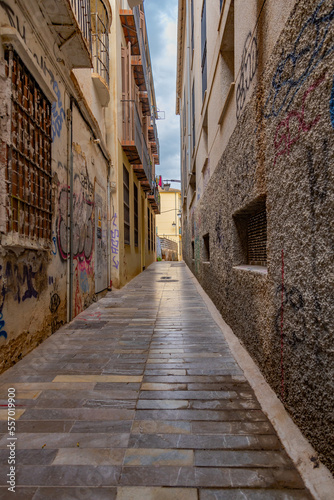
281, 149
33, 274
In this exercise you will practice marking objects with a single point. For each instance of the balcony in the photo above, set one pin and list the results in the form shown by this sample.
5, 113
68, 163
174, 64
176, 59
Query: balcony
129, 28
71, 20
154, 199
134, 144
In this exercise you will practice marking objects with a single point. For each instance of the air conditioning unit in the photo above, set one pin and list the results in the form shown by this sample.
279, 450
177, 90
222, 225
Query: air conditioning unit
133, 3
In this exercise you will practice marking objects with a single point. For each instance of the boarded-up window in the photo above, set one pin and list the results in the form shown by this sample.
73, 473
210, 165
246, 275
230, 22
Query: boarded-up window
257, 238
126, 204
28, 169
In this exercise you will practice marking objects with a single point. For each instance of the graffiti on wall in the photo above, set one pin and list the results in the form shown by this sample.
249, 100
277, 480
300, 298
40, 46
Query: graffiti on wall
83, 227
115, 241
20, 281
290, 130
313, 44
14, 20
249, 62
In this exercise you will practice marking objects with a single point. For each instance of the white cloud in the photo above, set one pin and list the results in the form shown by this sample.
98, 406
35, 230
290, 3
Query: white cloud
162, 31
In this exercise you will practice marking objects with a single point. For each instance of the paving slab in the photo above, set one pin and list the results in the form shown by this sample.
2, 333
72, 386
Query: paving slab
139, 398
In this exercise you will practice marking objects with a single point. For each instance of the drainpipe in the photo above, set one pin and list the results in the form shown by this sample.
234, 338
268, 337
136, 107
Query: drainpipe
188, 88
69, 273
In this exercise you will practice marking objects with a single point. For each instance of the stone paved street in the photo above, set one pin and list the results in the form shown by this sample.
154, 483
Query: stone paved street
140, 398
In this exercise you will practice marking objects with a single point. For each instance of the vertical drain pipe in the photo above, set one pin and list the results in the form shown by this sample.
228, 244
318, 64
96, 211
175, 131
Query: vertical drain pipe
69, 272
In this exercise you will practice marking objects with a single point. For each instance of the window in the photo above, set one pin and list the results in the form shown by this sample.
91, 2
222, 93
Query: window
192, 25
148, 229
257, 239
193, 250
28, 164
100, 38
227, 61
126, 203
221, 4
251, 225
193, 113
135, 212
152, 232
206, 248
203, 50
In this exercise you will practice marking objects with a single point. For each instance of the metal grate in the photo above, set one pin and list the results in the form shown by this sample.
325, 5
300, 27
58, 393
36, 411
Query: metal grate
257, 239
28, 155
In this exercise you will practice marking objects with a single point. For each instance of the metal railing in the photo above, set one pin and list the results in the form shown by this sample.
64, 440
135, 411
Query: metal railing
133, 132
142, 47
81, 9
100, 39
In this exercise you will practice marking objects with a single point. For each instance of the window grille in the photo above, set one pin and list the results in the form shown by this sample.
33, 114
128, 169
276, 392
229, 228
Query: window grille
126, 204
28, 172
257, 239
135, 199
100, 38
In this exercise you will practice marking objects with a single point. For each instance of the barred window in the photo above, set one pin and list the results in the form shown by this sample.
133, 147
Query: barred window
28, 165
126, 204
257, 238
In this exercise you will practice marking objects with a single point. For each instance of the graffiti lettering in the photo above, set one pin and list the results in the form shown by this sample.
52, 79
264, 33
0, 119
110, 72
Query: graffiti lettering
84, 284
78, 299
2, 324
289, 130
115, 241
54, 302
16, 280
249, 62
14, 20
313, 44
83, 227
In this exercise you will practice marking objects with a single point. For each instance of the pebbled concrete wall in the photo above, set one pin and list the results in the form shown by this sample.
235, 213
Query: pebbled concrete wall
281, 151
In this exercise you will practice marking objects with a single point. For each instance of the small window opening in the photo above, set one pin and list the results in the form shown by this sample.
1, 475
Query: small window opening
206, 248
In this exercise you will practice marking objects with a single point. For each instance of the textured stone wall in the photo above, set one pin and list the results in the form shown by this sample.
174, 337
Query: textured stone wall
281, 151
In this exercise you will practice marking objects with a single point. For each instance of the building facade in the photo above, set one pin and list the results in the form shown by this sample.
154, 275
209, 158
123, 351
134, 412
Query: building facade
168, 222
255, 98
63, 198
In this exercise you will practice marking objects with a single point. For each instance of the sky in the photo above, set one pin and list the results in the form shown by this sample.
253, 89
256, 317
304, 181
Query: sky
161, 22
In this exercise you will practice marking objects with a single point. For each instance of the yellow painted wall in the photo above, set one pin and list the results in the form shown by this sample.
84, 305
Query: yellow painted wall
170, 206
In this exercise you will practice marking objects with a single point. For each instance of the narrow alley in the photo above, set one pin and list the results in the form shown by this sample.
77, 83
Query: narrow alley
141, 398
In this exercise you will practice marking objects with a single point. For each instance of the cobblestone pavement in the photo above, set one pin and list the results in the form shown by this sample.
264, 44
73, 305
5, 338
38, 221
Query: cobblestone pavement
140, 398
